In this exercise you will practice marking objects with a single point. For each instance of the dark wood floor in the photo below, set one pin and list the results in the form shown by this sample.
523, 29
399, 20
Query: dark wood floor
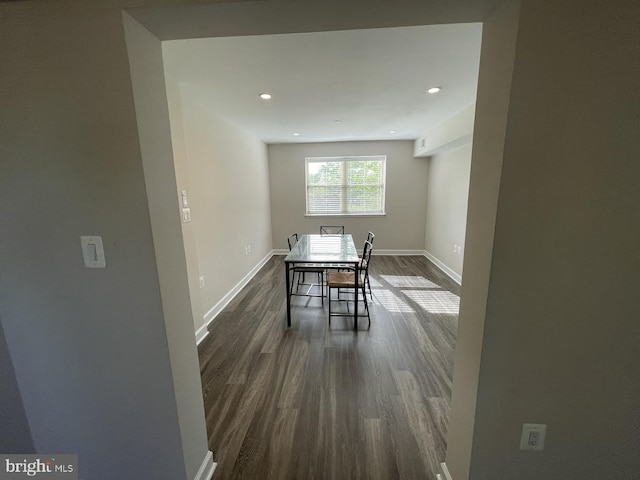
312, 402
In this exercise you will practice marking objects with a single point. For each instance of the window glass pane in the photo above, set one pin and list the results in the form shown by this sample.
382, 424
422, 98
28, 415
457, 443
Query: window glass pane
324, 173
364, 172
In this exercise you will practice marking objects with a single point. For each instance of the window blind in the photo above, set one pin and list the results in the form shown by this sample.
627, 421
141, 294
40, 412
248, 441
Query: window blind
345, 185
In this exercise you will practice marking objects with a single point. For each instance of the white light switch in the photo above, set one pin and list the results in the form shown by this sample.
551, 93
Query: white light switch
186, 215
93, 252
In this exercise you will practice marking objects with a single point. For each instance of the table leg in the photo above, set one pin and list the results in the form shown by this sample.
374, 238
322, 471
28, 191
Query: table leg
286, 268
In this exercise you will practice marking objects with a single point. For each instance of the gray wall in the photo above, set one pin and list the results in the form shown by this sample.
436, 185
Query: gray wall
89, 346
16, 435
403, 226
561, 333
447, 196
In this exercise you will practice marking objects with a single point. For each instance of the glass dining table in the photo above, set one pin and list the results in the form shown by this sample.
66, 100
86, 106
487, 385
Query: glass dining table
329, 251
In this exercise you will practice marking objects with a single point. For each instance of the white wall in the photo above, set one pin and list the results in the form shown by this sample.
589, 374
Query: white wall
447, 196
227, 182
150, 96
499, 33
449, 147
403, 226
181, 167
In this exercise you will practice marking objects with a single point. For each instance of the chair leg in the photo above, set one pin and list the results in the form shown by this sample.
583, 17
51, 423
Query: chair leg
329, 297
366, 304
367, 282
293, 282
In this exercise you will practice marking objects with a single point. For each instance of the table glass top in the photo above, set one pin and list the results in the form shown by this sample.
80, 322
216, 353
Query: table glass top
323, 249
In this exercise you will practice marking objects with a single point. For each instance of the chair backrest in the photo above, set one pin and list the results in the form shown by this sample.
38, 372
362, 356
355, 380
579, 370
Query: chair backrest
292, 240
366, 255
369, 241
332, 230
370, 237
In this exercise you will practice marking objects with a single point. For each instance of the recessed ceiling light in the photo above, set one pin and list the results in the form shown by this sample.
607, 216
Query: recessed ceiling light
433, 90
337, 121
392, 131
265, 96
296, 134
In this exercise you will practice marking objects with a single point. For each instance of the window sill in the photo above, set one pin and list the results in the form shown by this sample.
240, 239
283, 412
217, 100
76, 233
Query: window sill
338, 215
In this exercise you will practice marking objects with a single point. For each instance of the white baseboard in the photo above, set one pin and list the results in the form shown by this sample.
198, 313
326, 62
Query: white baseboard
201, 334
218, 307
450, 273
206, 468
444, 471
397, 252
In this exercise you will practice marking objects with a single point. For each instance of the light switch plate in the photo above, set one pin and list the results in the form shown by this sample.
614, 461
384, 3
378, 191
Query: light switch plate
93, 252
532, 437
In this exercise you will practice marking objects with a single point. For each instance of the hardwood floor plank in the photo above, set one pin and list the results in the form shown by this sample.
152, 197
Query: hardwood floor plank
294, 378
379, 464
232, 438
249, 354
249, 463
281, 444
407, 452
420, 420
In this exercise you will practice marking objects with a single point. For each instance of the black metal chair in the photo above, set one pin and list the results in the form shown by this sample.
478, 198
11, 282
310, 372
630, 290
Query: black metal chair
301, 270
332, 230
363, 263
342, 280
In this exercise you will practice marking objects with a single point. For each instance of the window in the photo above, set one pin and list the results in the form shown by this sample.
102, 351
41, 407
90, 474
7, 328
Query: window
345, 185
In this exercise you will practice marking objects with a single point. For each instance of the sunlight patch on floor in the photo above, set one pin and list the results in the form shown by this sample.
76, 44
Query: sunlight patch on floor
432, 301
411, 281
391, 302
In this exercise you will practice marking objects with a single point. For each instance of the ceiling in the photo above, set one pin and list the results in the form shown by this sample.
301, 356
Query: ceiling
332, 86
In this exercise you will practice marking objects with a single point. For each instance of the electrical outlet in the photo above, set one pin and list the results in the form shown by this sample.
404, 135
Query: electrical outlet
533, 435
248, 248
455, 248
202, 281
459, 250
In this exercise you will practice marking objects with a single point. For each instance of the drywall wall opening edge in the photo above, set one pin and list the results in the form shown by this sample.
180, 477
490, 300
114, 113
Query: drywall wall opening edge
152, 116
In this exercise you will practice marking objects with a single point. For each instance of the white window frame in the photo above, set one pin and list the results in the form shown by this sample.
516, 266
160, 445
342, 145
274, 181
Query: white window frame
344, 161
